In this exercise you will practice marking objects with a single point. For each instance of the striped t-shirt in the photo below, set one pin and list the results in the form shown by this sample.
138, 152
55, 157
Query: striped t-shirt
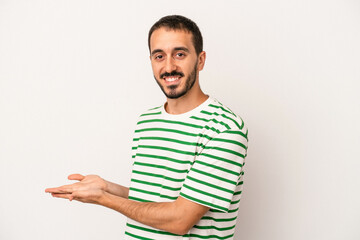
198, 155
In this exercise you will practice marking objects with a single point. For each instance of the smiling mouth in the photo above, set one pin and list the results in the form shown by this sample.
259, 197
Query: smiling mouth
171, 79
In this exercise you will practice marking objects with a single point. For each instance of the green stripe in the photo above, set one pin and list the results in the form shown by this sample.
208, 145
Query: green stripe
168, 149
237, 132
238, 193
155, 108
226, 150
163, 158
186, 235
165, 130
153, 193
212, 129
230, 211
212, 120
222, 108
151, 230
202, 202
213, 176
221, 159
171, 122
242, 124
210, 185
233, 210
230, 141
224, 116
209, 236
214, 227
204, 136
206, 193
160, 167
235, 202
173, 140
236, 123
144, 191
173, 131
148, 114
218, 219
217, 167
159, 176
138, 199
156, 185
138, 237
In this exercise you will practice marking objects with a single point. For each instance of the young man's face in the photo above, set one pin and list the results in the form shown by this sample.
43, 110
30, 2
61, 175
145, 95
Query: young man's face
174, 61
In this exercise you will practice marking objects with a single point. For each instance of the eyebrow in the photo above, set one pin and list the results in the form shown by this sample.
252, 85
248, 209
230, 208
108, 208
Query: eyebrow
176, 49
182, 48
156, 51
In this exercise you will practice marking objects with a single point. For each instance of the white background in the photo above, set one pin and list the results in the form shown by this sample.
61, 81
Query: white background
74, 76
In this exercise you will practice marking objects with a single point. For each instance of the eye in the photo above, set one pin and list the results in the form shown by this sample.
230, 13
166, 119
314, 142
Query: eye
179, 55
158, 57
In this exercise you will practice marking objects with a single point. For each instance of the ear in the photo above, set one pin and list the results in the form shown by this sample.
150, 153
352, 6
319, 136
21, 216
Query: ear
201, 60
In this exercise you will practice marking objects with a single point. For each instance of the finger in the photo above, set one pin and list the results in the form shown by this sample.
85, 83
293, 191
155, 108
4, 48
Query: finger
57, 191
76, 176
62, 195
63, 189
54, 190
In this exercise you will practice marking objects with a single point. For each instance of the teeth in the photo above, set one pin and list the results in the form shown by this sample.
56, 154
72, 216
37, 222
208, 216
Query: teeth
171, 79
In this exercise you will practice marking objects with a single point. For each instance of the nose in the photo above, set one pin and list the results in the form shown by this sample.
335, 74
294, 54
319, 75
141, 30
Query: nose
170, 65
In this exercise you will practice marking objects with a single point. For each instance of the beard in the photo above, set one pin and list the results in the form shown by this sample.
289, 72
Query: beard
173, 92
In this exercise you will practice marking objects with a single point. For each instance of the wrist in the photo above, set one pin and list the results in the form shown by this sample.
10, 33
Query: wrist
105, 187
101, 198
106, 199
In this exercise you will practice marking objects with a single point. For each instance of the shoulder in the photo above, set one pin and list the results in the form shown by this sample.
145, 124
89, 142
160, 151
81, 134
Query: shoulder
227, 129
224, 117
150, 113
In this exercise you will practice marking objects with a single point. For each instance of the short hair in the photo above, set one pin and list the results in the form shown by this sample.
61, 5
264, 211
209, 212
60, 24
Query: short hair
177, 22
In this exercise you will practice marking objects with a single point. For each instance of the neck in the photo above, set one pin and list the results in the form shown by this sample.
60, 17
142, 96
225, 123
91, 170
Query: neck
186, 103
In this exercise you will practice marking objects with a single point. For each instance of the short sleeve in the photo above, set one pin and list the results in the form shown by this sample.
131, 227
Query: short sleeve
216, 171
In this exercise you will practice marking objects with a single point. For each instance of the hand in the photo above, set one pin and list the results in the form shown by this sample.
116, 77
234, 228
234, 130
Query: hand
89, 189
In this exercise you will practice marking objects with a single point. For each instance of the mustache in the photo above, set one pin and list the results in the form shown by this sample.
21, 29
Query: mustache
173, 73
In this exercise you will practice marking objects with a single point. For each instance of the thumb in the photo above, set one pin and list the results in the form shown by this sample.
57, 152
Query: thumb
76, 176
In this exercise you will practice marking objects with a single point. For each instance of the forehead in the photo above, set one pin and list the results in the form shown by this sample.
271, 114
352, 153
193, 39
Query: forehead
168, 39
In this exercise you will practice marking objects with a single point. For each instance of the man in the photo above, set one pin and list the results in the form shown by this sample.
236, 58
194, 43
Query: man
188, 154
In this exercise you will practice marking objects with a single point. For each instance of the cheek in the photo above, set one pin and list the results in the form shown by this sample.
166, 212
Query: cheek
187, 69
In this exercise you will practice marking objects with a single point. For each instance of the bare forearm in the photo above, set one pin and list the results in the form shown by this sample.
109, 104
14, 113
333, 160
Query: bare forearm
116, 189
163, 215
